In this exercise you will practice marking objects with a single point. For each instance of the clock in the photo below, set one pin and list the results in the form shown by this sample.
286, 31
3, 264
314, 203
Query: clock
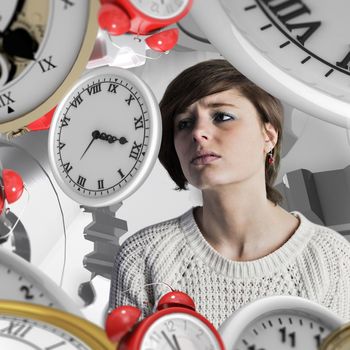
174, 326
296, 50
104, 137
35, 50
339, 339
146, 16
22, 281
27, 326
279, 322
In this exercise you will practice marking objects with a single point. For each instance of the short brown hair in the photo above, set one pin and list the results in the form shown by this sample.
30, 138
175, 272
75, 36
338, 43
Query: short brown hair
207, 78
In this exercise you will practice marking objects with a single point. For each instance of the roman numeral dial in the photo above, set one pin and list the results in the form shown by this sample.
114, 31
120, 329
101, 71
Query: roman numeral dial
104, 136
295, 49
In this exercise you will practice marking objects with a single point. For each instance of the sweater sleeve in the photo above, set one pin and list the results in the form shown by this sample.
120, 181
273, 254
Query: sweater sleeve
338, 295
342, 296
129, 277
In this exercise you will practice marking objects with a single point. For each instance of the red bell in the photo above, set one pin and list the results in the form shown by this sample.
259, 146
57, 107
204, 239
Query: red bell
113, 19
13, 185
175, 298
163, 41
120, 321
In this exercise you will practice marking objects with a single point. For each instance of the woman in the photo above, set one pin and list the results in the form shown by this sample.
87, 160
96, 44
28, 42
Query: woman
222, 134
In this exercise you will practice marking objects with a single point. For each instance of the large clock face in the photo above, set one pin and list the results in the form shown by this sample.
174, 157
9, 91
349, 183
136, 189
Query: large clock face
34, 47
161, 9
26, 334
296, 49
25, 326
103, 137
179, 331
279, 322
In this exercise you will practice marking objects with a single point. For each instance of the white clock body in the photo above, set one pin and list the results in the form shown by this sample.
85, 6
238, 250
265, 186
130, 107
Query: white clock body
296, 50
22, 281
279, 322
104, 137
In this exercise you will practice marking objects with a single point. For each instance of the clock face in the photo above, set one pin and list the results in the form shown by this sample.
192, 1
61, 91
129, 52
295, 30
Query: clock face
27, 334
297, 50
21, 281
161, 9
25, 326
179, 331
279, 322
34, 47
283, 331
104, 137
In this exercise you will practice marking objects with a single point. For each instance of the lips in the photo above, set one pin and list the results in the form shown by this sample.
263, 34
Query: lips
204, 157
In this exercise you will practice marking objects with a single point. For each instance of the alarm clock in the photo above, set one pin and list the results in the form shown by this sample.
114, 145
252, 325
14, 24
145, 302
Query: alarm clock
29, 326
35, 49
279, 322
143, 17
104, 137
174, 326
296, 50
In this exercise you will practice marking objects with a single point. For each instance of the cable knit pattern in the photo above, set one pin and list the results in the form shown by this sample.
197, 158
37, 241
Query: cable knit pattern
314, 264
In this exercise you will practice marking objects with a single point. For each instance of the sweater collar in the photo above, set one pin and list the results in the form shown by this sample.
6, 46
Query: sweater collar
247, 269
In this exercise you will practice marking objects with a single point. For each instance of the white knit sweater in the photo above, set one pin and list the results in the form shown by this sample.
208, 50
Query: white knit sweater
314, 263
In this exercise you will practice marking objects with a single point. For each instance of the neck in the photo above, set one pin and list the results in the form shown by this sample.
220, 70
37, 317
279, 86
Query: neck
241, 223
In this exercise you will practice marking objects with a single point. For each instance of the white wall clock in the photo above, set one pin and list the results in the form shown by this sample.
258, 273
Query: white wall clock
22, 281
279, 322
45, 45
104, 137
297, 50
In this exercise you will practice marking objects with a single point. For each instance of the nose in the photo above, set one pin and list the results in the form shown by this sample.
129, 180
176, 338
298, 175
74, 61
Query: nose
201, 131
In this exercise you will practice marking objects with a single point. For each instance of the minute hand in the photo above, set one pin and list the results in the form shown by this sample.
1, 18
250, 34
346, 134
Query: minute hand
95, 135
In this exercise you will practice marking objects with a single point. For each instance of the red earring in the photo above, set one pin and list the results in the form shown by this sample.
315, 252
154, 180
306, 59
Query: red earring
271, 158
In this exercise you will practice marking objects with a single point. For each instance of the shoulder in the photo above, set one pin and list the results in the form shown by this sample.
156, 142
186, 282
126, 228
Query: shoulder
151, 238
324, 240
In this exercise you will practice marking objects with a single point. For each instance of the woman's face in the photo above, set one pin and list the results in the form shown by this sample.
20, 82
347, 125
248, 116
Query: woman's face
220, 140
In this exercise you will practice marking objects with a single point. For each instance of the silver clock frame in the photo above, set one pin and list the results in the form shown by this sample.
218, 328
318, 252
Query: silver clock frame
152, 147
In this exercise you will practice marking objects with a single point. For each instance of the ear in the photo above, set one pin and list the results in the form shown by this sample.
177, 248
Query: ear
270, 136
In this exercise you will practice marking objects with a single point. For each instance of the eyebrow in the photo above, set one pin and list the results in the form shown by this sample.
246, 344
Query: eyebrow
210, 105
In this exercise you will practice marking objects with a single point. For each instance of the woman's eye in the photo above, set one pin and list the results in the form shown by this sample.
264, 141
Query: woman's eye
223, 116
184, 124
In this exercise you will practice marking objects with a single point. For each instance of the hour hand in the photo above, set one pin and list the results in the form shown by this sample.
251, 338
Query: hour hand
95, 135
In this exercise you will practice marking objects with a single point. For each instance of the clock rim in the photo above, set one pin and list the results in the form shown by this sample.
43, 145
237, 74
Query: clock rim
327, 342
152, 148
213, 21
253, 311
136, 337
86, 331
18, 124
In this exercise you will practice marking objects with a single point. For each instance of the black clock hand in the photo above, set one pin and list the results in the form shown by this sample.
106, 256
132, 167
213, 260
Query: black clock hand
173, 347
112, 139
95, 135
176, 342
